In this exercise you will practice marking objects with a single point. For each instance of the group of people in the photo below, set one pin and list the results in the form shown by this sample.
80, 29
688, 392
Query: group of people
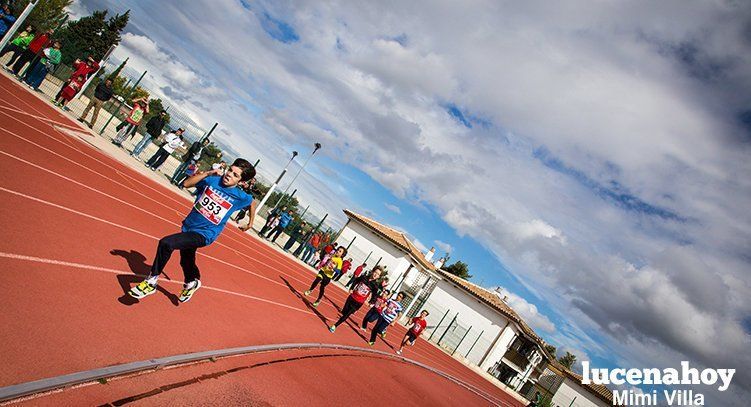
41, 52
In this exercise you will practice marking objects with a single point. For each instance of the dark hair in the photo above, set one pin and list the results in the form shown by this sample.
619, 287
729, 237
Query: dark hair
249, 172
402, 293
345, 250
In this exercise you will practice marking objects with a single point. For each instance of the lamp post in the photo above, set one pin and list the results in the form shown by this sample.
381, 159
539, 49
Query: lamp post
271, 189
317, 146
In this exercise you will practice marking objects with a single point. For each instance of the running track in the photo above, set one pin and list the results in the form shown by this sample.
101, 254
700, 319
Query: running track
79, 228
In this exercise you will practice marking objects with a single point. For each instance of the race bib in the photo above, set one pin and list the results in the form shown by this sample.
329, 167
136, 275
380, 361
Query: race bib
137, 115
362, 289
212, 206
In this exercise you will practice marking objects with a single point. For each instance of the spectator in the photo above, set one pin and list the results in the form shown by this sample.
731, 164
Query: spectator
32, 53
311, 247
6, 20
346, 265
196, 153
102, 94
284, 219
49, 61
153, 130
172, 141
69, 91
356, 274
294, 236
272, 214
17, 46
80, 68
130, 124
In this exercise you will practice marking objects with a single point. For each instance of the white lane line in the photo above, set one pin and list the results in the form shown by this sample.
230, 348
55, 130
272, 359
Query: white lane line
125, 273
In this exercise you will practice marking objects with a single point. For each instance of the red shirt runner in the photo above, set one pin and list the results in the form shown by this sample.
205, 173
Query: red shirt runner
418, 325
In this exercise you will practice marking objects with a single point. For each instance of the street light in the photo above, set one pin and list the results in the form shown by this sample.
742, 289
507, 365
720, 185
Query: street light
317, 147
271, 189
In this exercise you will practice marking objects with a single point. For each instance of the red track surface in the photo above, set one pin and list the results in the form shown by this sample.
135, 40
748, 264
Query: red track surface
78, 225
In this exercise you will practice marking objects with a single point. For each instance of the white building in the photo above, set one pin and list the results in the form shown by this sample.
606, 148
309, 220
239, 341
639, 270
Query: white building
564, 388
465, 319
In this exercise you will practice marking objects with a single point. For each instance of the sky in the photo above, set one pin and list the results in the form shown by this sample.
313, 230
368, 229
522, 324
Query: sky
590, 158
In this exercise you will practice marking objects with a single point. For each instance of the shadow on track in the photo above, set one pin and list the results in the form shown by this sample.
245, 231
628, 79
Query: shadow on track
137, 264
306, 302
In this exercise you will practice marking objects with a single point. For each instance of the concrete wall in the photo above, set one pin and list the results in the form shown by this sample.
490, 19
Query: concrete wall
573, 391
367, 241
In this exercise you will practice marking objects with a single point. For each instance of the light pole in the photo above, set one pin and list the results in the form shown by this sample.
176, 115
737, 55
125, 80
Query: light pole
317, 146
271, 189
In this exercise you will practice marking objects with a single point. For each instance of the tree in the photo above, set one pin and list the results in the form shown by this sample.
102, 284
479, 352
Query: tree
91, 36
212, 152
48, 14
286, 200
567, 360
551, 349
117, 71
459, 269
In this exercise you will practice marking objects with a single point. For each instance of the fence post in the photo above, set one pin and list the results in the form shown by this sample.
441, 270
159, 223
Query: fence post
209, 133
121, 103
19, 21
416, 297
439, 324
350, 243
474, 343
256, 164
447, 328
366, 259
461, 340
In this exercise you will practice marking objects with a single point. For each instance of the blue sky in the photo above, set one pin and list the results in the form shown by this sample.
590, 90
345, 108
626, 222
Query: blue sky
588, 157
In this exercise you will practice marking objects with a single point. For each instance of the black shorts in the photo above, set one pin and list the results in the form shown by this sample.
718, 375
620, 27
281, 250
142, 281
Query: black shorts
411, 336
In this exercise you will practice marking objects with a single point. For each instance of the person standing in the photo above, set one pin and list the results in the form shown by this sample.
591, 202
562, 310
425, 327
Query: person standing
419, 324
284, 219
274, 213
6, 19
49, 61
197, 151
311, 246
153, 130
80, 68
17, 46
297, 232
130, 124
389, 314
325, 273
33, 52
69, 91
365, 288
172, 141
346, 265
102, 93
218, 198
356, 274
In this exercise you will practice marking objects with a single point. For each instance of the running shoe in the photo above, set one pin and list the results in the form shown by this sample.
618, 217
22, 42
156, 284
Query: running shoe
362, 328
383, 335
399, 352
315, 304
143, 289
371, 343
332, 328
188, 290
307, 293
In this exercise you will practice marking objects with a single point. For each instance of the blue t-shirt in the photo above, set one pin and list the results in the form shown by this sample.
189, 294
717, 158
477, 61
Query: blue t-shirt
285, 219
213, 206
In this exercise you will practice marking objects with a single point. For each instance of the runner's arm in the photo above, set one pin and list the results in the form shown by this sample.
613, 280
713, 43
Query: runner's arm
195, 179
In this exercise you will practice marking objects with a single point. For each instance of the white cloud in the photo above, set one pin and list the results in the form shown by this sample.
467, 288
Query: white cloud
392, 208
443, 246
526, 310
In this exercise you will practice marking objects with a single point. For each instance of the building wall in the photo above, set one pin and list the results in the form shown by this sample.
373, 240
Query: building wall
367, 241
573, 391
471, 313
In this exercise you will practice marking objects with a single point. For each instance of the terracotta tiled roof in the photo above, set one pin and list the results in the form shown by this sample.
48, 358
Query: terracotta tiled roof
392, 235
599, 390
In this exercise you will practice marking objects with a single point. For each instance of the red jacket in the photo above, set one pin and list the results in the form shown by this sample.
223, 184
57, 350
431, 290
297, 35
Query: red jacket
83, 69
346, 266
38, 43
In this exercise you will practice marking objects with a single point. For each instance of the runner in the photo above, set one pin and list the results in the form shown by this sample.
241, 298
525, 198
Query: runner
325, 272
69, 91
418, 325
217, 199
356, 274
365, 287
375, 310
389, 314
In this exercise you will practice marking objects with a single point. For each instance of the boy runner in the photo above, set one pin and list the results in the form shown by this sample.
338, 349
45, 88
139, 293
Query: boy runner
389, 315
217, 198
365, 287
418, 325
356, 274
327, 270
375, 310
